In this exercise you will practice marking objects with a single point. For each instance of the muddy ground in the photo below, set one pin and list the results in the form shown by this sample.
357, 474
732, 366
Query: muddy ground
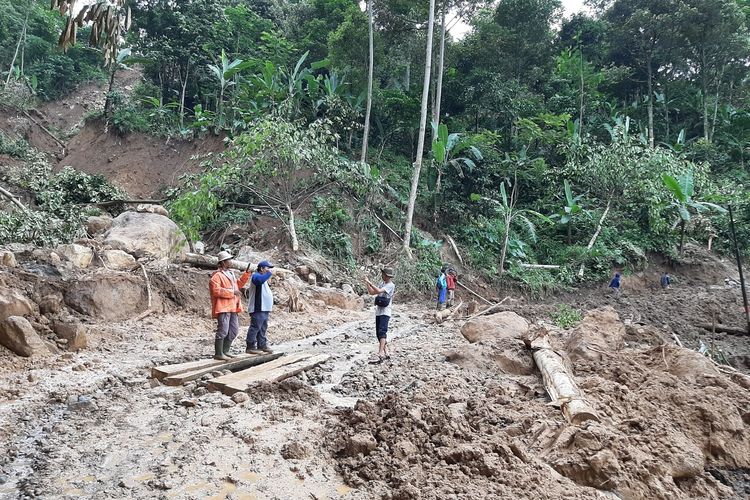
442, 419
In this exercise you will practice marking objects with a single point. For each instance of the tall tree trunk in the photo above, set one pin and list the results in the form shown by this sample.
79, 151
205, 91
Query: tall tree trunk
422, 130
666, 112
366, 135
292, 228
407, 76
108, 99
704, 92
182, 94
21, 39
716, 103
682, 234
583, 90
441, 62
506, 238
650, 103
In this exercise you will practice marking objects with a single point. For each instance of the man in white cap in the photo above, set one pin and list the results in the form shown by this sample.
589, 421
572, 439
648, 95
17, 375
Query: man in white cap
225, 304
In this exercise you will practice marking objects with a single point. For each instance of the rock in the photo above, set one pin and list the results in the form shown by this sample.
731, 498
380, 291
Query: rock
152, 209
55, 259
17, 334
13, 303
108, 297
146, 235
600, 330
347, 288
188, 403
79, 255
240, 397
312, 279
117, 260
302, 271
81, 403
337, 298
294, 451
404, 449
363, 443
8, 259
74, 333
50, 304
248, 254
98, 224
506, 324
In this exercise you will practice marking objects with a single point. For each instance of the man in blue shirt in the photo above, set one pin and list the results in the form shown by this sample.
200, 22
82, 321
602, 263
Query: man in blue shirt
614, 285
259, 305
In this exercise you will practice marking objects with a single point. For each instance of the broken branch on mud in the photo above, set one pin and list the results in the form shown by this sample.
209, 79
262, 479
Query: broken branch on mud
731, 330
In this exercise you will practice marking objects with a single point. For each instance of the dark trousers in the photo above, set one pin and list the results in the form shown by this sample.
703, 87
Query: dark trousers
256, 334
227, 326
381, 326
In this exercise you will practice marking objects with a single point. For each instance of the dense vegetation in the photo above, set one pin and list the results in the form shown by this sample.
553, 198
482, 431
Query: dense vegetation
585, 142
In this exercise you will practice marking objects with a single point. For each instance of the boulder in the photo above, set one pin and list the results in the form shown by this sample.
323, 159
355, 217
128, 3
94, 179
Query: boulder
117, 260
109, 298
17, 334
347, 288
506, 324
152, 209
146, 235
600, 332
79, 255
334, 297
13, 303
98, 224
50, 304
363, 443
8, 259
248, 254
74, 333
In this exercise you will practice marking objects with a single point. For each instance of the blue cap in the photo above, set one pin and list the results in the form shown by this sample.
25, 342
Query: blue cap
265, 263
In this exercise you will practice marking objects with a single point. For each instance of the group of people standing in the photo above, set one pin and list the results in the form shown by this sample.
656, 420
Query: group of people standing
615, 284
226, 304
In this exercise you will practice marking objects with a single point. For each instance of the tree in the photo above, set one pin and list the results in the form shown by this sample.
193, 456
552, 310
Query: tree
682, 189
371, 65
571, 210
422, 131
445, 150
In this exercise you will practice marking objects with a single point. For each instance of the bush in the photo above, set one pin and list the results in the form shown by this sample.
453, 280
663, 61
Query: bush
566, 316
324, 230
417, 275
17, 148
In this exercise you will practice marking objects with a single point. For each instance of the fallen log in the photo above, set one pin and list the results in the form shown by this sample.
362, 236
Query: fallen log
559, 383
475, 294
448, 313
731, 330
488, 310
539, 266
210, 262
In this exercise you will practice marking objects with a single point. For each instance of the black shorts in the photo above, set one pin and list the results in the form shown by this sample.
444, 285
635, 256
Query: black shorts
381, 326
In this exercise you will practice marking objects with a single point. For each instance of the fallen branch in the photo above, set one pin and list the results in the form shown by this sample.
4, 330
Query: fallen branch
731, 330
62, 144
677, 340
539, 266
447, 314
488, 310
110, 203
13, 199
596, 235
475, 294
455, 248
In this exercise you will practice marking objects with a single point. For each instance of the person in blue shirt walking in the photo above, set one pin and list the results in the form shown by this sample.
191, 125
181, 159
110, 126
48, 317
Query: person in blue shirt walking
665, 281
259, 305
614, 285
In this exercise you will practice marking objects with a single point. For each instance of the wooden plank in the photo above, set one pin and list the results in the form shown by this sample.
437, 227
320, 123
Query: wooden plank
238, 363
218, 382
160, 372
241, 381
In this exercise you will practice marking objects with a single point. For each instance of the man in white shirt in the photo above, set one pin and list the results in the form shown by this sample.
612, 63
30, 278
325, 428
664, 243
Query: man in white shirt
383, 303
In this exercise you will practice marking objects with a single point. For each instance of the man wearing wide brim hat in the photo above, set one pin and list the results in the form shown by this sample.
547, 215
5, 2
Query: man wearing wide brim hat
226, 302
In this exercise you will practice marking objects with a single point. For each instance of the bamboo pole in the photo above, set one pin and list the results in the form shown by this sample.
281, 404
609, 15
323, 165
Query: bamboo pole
475, 294
739, 267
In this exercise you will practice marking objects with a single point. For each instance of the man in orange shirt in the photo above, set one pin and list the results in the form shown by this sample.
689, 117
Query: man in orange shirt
226, 302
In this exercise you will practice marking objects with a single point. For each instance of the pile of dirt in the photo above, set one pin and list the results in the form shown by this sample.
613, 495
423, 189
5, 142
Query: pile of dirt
459, 430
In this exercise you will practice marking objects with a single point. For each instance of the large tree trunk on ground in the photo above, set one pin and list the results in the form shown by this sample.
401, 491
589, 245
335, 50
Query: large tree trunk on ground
366, 134
211, 262
559, 383
422, 129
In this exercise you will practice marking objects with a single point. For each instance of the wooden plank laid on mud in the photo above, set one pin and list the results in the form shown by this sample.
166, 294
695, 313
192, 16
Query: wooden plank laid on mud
240, 362
271, 372
163, 371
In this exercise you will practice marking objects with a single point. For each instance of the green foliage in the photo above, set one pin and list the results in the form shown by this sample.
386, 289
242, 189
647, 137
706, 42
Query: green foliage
417, 275
565, 316
16, 148
325, 230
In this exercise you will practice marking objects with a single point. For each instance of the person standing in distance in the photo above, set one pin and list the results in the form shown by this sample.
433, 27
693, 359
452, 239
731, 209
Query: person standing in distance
259, 305
226, 303
383, 303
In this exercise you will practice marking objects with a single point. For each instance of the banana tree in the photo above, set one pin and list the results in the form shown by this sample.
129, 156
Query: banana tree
224, 73
445, 148
571, 210
682, 189
513, 217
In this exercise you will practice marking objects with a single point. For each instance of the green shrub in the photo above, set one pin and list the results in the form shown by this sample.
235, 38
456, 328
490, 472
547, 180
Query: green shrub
17, 148
324, 230
417, 275
566, 316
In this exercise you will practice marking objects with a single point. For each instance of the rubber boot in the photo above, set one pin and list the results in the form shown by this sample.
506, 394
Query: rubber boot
219, 350
227, 348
